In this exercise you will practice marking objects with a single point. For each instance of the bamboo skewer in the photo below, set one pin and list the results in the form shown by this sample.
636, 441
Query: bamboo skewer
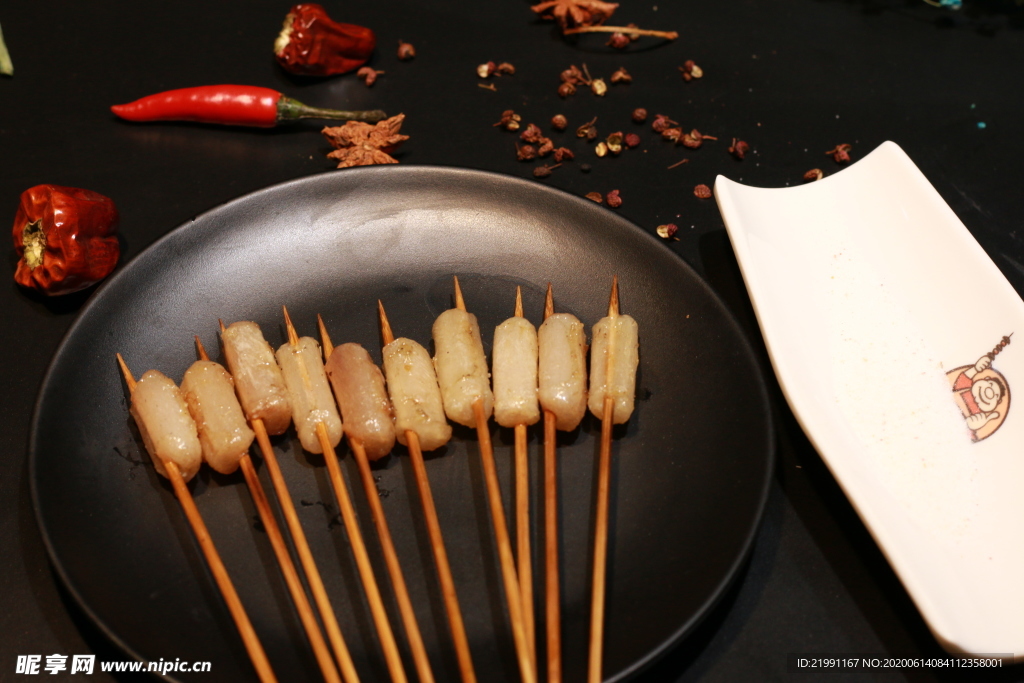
355, 537
316, 584
552, 598
508, 570
213, 561
284, 559
444, 570
412, 629
523, 555
597, 598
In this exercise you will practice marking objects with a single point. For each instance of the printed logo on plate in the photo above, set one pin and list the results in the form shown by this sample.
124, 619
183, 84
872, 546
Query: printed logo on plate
982, 393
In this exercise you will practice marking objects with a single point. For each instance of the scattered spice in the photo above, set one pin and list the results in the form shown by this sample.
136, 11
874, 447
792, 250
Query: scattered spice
526, 152
632, 140
505, 69
694, 139
667, 231
574, 76
546, 147
368, 75
405, 50
813, 174
595, 196
672, 134
614, 142
564, 154
313, 44
662, 122
588, 130
613, 199
486, 70
569, 13
360, 144
532, 134
621, 76
618, 41
702, 191
566, 89
679, 163
639, 115
841, 153
509, 120
738, 149
488, 86
598, 87
559, 122
65, 237
601, 149
544, 171
690, 70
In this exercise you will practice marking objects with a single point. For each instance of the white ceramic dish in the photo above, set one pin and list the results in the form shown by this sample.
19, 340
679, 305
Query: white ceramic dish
878, 309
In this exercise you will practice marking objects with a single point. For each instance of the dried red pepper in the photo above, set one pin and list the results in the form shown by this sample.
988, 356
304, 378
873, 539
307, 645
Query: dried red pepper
66, 238
234, 105
313, 44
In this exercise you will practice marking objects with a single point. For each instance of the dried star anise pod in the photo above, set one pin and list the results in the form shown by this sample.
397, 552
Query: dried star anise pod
694, 139
613, 199
505, 69
559, 122
587, 130
566, 89
621, 76
702, 191
614, 142
405, 50
661, 122
546, 147
672, 134
618, 41
362, 144
632, 140
667, 231
532, 134
509, 120
569, 13
813, 174
595, 197
526, 152
841, 153
639, 115
544, 171
368, 75
486, 70
738, 149
563, 154
690, 70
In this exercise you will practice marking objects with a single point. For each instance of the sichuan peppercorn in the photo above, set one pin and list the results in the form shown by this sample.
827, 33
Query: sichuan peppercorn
559, 122
312, 44
613, 199
639, 115
405, 50
702, 191
66, 239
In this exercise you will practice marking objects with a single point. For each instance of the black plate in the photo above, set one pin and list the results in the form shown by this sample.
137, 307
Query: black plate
690, 470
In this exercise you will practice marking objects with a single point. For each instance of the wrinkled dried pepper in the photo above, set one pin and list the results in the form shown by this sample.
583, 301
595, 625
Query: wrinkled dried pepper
66, 238
312, 44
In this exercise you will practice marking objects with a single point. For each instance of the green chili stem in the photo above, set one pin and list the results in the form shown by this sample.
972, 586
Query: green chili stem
292, 110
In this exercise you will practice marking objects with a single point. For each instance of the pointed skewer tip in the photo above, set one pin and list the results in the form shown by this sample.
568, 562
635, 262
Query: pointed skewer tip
220, 323
519, 302
128, 379
200, 350
549, 303
325, 339
613, 301
460, 303
385, 327
293, 337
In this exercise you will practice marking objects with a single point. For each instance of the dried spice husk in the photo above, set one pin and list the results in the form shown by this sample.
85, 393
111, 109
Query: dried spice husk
563, 154
667, 231
368, 75
526, 152
639, 115
738, 149
405, 51
588, 130
505, 69
690, 70
613, 199
574, 13
509, 120
595, 197
841, 153
632, 140
661, 123
621, 76
814, 174
694, 139
702, 191
559, 122
544, 171
361, 144
614, 142
486, 70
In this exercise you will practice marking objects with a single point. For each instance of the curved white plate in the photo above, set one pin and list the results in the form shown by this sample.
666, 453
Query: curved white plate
871, 295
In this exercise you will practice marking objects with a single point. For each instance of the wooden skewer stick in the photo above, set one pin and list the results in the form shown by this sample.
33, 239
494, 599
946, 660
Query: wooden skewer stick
508, 568
291, 518
284, 559
597, 597
523, 555
355, 538
412, 629
552, 598
444, 569
213, 561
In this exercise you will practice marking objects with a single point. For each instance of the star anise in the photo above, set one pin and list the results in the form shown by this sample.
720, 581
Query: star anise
361, 144
569, 13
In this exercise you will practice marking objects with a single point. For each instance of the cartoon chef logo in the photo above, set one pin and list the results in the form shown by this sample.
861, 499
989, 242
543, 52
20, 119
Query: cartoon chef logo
982, 393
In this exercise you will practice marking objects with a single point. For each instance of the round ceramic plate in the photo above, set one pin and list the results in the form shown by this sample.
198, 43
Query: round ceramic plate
689, 475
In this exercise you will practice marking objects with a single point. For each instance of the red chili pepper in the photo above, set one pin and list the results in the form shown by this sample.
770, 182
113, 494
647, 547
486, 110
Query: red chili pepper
312, 44
66, 238
235, 105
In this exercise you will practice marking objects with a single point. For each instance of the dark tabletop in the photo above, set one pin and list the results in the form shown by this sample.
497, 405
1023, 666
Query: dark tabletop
793, 78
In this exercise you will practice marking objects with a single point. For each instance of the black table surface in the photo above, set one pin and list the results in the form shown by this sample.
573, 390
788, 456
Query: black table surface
793, 78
